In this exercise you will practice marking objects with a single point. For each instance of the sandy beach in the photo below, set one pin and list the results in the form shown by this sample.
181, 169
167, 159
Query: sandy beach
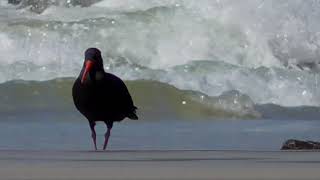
16, 164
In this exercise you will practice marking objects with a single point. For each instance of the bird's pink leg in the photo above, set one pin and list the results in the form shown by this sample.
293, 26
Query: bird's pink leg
94, 136
106, 138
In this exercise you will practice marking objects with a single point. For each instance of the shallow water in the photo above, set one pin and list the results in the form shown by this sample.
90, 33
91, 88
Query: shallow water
162, 135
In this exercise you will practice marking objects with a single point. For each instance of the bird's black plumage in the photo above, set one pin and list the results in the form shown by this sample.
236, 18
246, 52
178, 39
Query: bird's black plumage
101, 96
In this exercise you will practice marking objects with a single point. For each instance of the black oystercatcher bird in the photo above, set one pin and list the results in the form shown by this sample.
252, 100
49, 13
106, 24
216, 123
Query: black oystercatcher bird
101, 96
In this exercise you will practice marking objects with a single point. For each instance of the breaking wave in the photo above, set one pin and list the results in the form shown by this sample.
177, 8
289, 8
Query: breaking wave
156, 101
265, 51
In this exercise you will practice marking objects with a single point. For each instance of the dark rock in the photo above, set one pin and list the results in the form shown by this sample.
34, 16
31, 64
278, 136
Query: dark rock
293, 144
15, 2
38, 6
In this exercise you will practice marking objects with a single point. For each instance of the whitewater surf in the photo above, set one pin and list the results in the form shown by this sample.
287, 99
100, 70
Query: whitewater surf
215, 58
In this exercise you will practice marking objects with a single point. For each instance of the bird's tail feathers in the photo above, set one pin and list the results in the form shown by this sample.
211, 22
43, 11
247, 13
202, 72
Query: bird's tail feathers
132, 115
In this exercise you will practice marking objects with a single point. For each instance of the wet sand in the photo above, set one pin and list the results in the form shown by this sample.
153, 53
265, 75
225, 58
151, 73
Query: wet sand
21, 164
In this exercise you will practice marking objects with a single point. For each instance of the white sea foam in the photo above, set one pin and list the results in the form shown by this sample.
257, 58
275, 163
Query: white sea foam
255, 47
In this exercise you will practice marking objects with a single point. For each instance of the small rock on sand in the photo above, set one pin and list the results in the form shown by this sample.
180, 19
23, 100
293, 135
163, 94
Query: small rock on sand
293, 144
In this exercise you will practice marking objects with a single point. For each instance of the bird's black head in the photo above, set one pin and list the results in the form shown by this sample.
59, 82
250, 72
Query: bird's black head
93, 62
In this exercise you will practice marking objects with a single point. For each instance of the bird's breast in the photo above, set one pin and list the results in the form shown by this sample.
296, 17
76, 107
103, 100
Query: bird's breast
99, 76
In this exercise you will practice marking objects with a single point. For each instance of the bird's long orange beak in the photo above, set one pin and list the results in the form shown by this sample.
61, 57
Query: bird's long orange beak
88, 67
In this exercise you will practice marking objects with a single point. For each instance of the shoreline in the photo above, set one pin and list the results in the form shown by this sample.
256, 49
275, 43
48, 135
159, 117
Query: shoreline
159, 164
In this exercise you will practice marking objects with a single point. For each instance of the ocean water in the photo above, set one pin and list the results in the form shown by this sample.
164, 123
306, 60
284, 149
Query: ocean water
263, 135
205, 74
